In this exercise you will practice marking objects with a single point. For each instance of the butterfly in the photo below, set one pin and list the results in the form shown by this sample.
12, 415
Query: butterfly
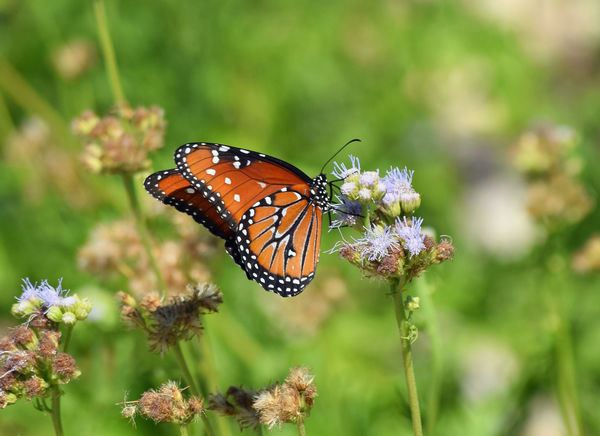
268, 211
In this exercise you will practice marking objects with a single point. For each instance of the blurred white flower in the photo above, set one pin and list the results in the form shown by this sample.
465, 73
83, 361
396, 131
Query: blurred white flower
494, 217
488, 370
544, 418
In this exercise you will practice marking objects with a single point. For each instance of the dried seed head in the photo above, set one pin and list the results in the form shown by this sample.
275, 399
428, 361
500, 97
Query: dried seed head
168, 405
19, 361
156, 406
35, 386
49, 343
65, 368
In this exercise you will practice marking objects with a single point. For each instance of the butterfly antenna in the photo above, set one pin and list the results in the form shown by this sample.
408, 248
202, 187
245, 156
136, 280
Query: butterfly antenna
338, 152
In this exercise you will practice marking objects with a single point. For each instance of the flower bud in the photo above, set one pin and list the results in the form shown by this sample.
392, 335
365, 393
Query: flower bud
81, 313
412, 304
25, 308
55, 314
6, 399
410, 202
69, 318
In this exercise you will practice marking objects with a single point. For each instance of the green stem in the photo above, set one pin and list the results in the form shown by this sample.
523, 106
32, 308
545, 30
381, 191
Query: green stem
301, 428
183, 430
6, 123
189, 379
108, 51
25, 96
55, 411
141, 226
411, 384
433, 401
67, 338
566, 373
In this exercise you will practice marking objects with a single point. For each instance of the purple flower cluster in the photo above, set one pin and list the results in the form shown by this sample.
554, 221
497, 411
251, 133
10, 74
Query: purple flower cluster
392, 194
392, 243
46, 294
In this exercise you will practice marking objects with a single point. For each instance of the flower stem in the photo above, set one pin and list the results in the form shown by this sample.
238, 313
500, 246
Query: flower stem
301, 428
411, 384
183, 430
141, 225
67, 338
55, 411
108, 51
189, 379
17, 88
566, 373
433, 400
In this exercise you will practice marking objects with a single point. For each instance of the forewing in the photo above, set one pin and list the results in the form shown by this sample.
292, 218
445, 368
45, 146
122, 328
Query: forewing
233, 179
279, 239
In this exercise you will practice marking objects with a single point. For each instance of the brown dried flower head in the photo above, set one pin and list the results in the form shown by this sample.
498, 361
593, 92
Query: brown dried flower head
176, 319
120, 142
116, 248
167, 404
289, 402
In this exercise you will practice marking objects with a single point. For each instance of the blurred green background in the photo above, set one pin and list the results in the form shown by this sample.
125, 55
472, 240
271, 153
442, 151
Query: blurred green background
443, 87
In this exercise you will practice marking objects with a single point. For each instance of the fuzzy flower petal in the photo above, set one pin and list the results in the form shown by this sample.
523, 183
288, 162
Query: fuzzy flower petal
376, 243
341, 172
410, 233
29, 291
347, 212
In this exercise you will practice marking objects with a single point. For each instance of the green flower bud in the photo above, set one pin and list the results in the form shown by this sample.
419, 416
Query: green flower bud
69, 318
54, 314
7, 398
25, 308
412, 304
81, 313
410, 203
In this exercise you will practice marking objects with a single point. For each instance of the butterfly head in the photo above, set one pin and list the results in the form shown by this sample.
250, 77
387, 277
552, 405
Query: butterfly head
319, 194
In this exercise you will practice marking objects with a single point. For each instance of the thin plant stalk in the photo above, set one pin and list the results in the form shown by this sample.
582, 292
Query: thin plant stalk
56, 393
26, 96
191, 381
143, 232
411, 383
301, 428
566, 374
67, 338
183, 430
108, 51
428, 308
55, 411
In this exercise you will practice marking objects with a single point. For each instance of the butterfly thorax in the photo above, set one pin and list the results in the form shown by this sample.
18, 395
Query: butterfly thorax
318, 192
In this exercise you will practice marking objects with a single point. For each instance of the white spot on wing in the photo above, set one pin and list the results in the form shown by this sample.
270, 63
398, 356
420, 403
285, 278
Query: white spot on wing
227, 181
211, 172
190, 190
236, 197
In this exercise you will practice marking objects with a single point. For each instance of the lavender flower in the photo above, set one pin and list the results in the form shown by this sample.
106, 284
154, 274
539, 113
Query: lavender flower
54, 297
30, 292
410, 234
369, 178
57, 304
341, 172
347, 212
400, 196
376, 243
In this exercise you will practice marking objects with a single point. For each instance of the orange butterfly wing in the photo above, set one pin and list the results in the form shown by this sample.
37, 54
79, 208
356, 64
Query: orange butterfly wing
233, 179
279, 239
